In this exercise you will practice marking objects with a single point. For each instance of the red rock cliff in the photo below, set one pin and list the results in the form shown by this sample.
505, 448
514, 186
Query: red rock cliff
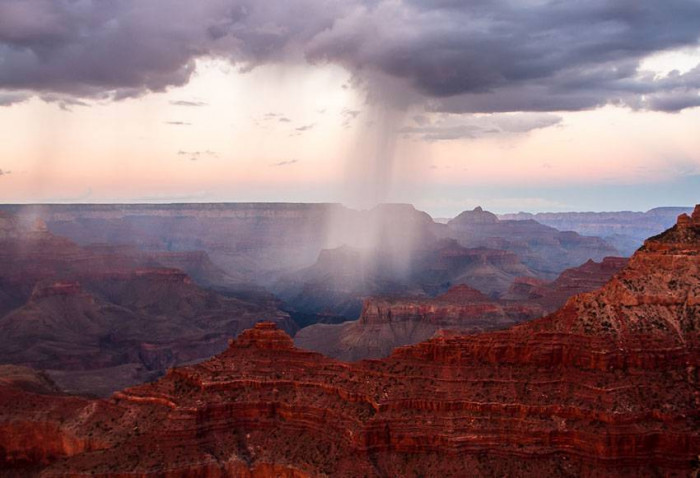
606, 386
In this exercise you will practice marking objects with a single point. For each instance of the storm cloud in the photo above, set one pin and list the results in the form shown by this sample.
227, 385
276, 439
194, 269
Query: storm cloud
9, 98
453, 56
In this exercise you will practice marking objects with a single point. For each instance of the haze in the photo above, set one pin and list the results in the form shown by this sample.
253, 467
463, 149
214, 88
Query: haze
533, 106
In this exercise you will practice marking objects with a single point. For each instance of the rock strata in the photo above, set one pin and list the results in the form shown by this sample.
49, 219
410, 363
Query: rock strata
101, 318
606, 386
386, 322
545, 250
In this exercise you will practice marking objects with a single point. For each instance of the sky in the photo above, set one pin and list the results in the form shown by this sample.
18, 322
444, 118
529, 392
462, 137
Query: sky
525, 105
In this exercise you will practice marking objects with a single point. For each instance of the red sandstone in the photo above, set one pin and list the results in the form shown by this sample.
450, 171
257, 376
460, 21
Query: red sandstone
606, 386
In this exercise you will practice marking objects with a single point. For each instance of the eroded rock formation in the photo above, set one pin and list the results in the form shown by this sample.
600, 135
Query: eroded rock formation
339, 281
389, 322
606, 386
545, 250
625, 230
100, 319
324, 259
386, 323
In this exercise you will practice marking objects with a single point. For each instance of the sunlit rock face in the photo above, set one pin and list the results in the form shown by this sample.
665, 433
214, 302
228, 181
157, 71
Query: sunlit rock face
605, 386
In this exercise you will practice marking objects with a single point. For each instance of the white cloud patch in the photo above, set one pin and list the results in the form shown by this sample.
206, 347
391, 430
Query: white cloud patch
456, 127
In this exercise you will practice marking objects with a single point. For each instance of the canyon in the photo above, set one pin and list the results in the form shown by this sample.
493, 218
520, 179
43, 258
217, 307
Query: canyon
323, 260
625, 230
99, 319
335, 286
605, 386
545, 250
388, 322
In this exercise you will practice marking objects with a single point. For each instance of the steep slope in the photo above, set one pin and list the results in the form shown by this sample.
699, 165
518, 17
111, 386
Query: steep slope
606, 386
124, 319
552, 295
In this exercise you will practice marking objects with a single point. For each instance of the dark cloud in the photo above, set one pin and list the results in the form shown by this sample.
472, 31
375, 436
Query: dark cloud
477, 56
284, 119
670, 93
178, 123
421, 120
462, 56
285, 163
3, 173
10, 98
66, 103
450, 127
188, 103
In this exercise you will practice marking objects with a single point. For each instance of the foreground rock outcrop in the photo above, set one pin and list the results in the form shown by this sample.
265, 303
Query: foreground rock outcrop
606, 386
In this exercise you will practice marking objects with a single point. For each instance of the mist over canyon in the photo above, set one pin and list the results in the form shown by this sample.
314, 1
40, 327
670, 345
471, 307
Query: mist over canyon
605, 385
349, 238
105, 296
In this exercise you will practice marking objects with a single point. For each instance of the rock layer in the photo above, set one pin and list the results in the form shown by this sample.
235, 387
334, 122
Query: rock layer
102, 318
606, 386
625, 230
386, 322
545, 250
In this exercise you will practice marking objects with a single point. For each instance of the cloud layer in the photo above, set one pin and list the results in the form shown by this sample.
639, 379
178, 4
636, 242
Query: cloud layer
469, 126
456, 56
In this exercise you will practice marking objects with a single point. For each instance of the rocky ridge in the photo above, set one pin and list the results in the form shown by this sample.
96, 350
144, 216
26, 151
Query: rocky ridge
606, 386
543, 249
386, 323
101, 318
625, 230
389, 322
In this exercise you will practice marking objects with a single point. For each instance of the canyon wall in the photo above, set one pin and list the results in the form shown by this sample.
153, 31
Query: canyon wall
606, 386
